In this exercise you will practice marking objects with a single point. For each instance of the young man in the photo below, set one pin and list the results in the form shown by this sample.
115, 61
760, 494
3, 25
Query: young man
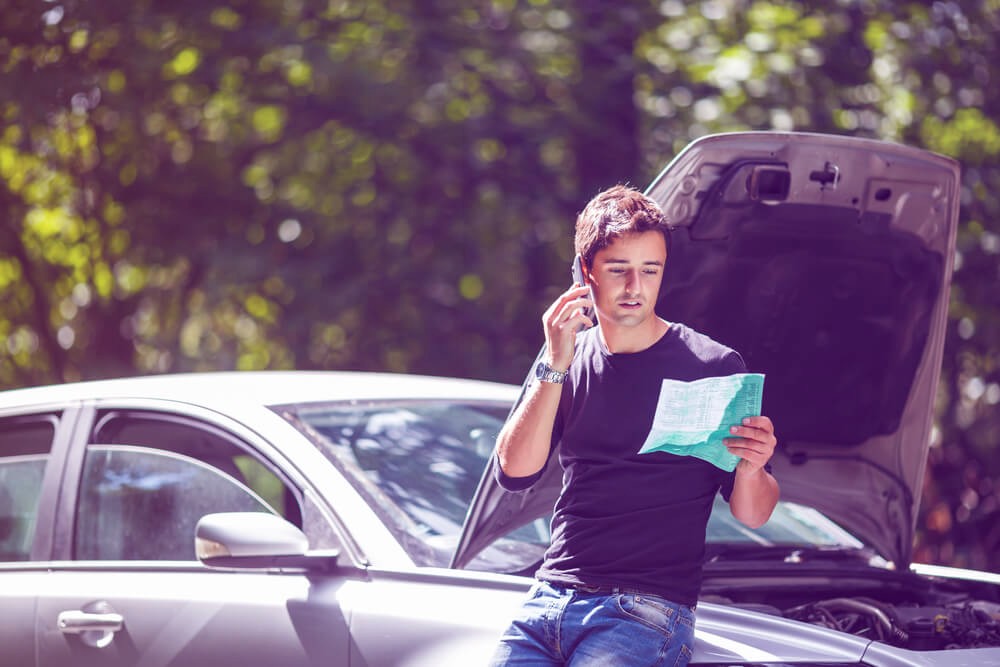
620, 580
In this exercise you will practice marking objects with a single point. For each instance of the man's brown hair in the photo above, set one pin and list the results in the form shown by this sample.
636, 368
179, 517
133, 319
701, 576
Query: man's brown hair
616, 211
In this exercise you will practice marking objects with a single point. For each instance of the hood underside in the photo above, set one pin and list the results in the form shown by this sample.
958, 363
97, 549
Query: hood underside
826, 262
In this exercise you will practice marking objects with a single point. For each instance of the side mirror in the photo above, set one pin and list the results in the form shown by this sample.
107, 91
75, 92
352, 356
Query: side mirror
254, 540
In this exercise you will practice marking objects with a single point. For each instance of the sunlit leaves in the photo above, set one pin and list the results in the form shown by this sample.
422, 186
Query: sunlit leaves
103, 280
733, 66
346, 184
226, 18
223, 112
969, 134
269, 122
129, 278
261, 308
78, 40
488, 150
934, 65
185, 62
22, 345
470, 286
298, 73
49, 224
232, 333
10, 272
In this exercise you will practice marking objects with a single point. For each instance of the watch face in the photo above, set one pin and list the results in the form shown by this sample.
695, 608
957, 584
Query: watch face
546, 373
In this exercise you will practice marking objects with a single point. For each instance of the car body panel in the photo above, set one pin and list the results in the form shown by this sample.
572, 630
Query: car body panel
188, 615
724, 635
20, 585
838, 293
957, 573
444, 620
182, 616
183, 612
234, 390
887, 656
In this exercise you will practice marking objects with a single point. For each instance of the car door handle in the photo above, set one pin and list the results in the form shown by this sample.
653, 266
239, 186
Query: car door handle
77, 621
95, 624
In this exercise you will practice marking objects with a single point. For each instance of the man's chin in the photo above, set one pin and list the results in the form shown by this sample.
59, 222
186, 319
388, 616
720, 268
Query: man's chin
631, 318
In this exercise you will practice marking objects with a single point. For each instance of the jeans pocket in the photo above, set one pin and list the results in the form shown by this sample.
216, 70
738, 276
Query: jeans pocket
655, 616
657, 612
672, 623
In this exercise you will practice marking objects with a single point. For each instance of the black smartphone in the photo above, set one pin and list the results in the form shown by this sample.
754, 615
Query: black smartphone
578, 279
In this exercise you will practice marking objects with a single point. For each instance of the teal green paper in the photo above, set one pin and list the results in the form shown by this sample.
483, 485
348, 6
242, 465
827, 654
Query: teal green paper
692, 418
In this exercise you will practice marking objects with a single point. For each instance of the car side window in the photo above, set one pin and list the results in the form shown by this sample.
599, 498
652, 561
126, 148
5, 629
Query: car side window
143, 504
25, 443
148, 478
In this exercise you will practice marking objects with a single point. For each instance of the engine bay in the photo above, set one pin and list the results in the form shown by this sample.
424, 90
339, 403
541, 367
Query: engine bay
897, 608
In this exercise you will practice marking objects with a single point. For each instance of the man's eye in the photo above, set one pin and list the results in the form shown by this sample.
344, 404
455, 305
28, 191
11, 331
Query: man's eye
651, 272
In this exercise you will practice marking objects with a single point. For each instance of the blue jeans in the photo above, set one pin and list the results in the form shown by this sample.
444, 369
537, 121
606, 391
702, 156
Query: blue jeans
564, 626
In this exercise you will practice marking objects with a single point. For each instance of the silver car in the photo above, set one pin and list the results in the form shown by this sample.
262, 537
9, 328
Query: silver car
305, 518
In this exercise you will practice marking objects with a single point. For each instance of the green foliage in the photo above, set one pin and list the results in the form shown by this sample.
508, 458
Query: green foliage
968, 133
392, 185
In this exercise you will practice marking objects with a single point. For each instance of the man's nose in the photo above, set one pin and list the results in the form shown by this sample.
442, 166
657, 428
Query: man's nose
632, 282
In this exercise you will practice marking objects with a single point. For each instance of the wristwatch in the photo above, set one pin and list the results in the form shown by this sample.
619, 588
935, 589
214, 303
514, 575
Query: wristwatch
546, 373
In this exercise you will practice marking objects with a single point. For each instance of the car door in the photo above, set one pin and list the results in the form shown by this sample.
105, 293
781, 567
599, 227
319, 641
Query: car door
125, 586
30, 444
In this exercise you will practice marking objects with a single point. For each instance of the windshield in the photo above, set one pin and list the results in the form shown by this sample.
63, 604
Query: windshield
790, 524
418, 463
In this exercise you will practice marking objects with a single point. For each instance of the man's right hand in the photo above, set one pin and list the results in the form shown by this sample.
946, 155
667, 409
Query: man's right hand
564, 318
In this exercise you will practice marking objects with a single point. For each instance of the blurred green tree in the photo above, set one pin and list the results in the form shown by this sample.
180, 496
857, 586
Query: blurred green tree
391, 184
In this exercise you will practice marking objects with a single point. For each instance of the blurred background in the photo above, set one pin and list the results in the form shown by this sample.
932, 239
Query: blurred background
391, 185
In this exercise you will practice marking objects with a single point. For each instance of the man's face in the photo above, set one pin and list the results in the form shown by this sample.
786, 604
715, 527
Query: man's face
626, 277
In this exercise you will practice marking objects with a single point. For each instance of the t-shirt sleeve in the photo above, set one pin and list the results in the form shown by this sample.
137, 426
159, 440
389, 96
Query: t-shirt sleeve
514, 483
733, 363
727, 485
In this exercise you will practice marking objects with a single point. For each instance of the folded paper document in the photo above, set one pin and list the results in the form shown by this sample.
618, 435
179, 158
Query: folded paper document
692, 418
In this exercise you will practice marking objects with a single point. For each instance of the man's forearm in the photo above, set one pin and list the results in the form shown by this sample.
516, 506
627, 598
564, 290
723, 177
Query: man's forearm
754, 496
524, 442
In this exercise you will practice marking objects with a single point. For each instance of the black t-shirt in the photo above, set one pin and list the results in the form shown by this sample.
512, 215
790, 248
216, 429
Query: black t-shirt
624, 518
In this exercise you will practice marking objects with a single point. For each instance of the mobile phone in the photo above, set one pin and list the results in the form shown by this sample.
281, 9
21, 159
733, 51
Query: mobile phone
578, 279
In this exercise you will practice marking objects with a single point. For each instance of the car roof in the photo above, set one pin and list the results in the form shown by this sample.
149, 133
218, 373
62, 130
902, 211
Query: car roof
266, 388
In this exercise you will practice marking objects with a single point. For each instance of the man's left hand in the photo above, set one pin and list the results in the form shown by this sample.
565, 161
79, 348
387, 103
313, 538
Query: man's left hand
754, 442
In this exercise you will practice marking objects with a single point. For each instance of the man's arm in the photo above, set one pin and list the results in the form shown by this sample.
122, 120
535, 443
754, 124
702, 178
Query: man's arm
755, 491
524, 441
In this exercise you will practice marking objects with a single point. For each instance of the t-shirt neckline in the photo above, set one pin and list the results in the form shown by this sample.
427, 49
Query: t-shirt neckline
669, 334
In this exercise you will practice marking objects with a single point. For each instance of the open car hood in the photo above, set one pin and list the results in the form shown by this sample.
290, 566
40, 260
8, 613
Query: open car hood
826, 262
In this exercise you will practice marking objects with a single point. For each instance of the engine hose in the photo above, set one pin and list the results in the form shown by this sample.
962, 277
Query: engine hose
885, 623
